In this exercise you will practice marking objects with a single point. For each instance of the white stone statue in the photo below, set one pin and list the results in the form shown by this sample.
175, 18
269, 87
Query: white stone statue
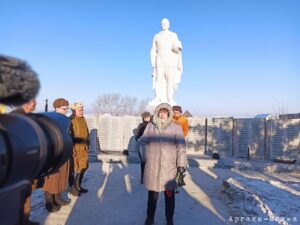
166, 60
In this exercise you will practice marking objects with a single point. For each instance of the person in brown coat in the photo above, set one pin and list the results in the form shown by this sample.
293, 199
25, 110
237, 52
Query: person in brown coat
56, 183
163, 150
25, 109
80, 135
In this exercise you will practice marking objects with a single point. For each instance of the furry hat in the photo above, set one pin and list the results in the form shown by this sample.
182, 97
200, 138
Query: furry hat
18, 82
76, 105
60, 102
177, 108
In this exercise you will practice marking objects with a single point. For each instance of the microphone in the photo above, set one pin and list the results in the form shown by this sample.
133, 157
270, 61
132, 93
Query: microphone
18, 82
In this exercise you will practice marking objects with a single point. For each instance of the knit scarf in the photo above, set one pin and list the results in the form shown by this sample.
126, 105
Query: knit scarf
161, 125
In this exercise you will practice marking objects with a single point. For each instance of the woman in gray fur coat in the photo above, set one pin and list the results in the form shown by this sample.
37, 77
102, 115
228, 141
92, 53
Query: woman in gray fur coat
163, 150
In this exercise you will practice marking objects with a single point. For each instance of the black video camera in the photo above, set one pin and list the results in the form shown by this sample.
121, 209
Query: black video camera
31, 146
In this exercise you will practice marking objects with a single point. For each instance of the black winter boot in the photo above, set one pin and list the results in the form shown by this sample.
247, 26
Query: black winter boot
142, 172
82, 190
170, 222
50, 204
31, 223
77, 184
149, 221
151, 207
169, 205
59, 201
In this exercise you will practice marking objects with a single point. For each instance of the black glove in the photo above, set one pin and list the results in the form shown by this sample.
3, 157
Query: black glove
179, 176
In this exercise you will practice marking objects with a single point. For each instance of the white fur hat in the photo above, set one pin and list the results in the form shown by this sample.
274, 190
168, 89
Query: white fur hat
76, 105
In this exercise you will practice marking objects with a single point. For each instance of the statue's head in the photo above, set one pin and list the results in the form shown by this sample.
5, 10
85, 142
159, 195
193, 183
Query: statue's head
165, 24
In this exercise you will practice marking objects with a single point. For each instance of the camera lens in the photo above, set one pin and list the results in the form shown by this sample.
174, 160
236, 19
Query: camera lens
56, 127
32, 145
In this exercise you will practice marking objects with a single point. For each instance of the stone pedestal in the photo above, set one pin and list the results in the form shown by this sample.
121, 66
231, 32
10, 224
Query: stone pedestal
152, 106
150, 109
154, 103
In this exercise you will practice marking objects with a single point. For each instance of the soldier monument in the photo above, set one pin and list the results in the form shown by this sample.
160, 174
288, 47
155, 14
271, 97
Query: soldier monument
166, 61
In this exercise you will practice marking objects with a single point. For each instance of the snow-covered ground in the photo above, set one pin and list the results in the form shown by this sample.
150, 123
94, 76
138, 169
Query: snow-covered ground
262, 198
116, 197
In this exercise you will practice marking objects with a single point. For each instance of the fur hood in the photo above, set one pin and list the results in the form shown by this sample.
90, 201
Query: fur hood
156, 119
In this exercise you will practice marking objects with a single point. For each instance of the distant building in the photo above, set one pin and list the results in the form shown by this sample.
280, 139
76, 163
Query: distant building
290, 116
264, 116
187, 114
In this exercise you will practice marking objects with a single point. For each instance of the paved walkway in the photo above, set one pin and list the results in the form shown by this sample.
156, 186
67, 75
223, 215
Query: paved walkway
116, 197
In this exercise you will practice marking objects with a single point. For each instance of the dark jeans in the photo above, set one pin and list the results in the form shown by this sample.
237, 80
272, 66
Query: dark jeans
169, 204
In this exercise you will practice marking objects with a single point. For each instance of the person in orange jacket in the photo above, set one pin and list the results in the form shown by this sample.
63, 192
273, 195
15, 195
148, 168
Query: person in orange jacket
180, 119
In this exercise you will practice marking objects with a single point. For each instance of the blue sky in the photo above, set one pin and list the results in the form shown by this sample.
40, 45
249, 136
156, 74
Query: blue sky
240, 58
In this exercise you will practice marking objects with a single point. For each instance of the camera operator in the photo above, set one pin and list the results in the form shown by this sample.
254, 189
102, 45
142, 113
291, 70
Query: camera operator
32, 145
26, 108
56, 183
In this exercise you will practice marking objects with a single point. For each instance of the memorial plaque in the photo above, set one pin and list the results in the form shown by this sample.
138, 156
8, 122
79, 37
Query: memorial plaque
195, 139
219, 135
130, 123
92, 122
111, 133
285, 136
250, 136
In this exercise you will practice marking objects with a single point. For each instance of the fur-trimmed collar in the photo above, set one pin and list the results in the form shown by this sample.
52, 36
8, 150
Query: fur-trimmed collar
157, 121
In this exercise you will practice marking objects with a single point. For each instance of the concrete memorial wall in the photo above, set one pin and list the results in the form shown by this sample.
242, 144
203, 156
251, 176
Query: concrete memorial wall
219, 135
111, 133
284, 139
130, 123
249, 134
228, 136
195, 139
258, 145
92, 122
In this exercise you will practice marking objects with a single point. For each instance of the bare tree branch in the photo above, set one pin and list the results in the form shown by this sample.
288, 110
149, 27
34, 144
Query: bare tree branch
117, 105
143, 105
280, 111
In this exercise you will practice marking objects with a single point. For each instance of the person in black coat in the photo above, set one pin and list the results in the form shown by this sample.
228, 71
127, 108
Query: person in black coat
146, 116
